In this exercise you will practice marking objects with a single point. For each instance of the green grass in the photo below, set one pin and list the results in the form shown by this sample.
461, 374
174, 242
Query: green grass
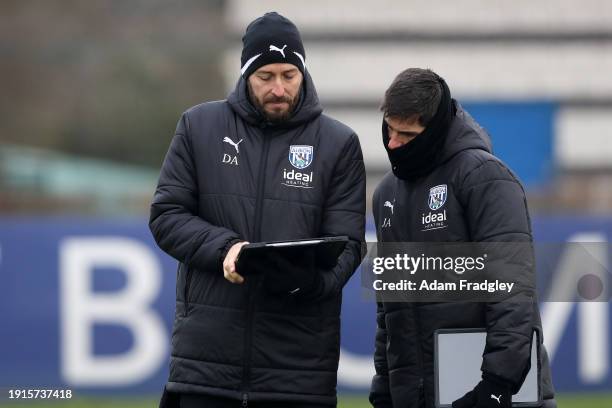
585, 401
346, 401
100, 402
563, 401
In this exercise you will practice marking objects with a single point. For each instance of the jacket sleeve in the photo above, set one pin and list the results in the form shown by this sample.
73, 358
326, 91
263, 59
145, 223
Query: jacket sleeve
344, 214
496, 211
380, 396
174, 220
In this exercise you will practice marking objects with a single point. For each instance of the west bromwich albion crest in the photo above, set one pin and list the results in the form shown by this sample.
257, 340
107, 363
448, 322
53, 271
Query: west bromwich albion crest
300, 157
437, 197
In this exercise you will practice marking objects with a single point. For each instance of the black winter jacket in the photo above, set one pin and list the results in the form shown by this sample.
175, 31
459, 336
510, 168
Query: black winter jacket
229, 175
485, 203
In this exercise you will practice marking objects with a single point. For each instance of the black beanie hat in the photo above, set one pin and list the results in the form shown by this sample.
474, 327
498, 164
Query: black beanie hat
271, 39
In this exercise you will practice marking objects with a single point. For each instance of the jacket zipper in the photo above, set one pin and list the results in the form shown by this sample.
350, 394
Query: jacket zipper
248, 339
251, 283
261, 181
186, 291
417, 323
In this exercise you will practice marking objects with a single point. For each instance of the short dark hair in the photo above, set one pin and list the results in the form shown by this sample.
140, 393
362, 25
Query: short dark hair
414, 93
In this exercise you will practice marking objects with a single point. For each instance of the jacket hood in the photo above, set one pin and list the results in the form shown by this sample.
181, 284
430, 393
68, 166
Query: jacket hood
307, 109
464, 133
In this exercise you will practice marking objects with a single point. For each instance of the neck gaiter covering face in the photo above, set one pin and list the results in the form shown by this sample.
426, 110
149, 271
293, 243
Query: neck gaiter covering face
418, 157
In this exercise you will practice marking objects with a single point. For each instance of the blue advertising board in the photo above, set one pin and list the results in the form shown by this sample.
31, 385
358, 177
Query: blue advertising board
87, 304
522, 135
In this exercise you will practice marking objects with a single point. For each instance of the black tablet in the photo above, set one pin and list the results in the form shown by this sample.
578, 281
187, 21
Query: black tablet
325, 251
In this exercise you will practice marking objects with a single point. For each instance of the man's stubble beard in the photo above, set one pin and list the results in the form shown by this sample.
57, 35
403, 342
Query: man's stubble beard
274, 117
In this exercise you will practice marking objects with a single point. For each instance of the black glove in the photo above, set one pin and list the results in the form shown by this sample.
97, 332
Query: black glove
169, 399
488, 393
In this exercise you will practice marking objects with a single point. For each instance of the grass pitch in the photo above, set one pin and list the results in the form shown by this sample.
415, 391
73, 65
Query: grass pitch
344, 401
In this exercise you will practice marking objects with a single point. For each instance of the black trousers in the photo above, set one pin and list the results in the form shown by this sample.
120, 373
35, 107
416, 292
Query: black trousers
206, 401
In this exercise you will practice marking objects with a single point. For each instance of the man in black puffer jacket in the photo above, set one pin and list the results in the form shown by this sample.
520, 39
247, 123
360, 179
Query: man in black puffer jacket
443, 170
263, 165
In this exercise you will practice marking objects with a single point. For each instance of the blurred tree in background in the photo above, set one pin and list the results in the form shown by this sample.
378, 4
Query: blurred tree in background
106, 79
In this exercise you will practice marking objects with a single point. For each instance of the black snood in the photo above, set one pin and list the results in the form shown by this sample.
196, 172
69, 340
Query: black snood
418, 157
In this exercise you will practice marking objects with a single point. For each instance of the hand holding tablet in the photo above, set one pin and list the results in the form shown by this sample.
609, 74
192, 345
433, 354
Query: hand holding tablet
290, 266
